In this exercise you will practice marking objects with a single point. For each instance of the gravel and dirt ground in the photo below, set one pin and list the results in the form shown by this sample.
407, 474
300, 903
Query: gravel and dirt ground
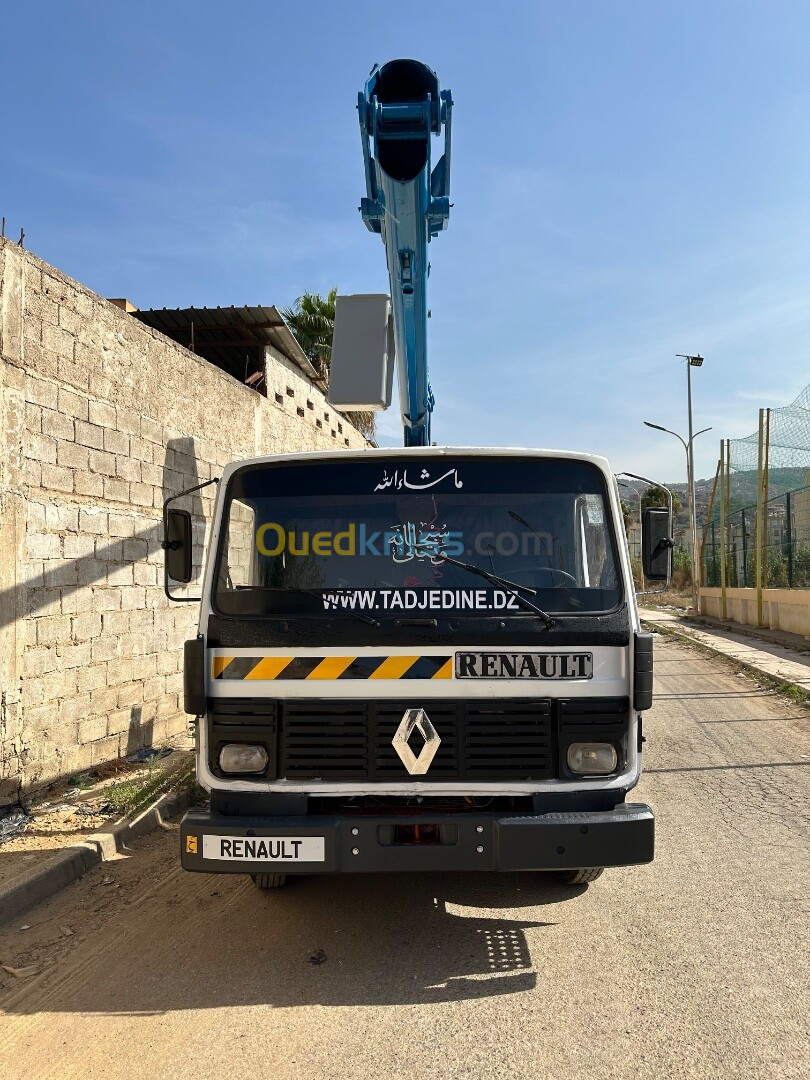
71, 810
695, 966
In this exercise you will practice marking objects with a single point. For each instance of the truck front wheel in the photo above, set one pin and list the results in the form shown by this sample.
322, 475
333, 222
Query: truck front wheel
579, 877
269, 881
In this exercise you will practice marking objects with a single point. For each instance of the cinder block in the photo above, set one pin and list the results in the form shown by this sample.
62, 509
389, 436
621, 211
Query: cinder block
135, 550
75, 656
102, 414
116, 442
56, 572
127, 468
129, 695
153, 475
151, 431
105, 599
71, 404
106, 749
91, 678
88, 484
69, 320
94, 521
57, 478
121, 525
103, 701
62, 517
41, 447
101, 462
33, 413
58, 425
41, 661
85, 626
56, 341
116, 623
116, 490
133, 599
141, 494
72, 599
146, 574
72, 710
78, 546
72, 456
106, 650
90, 435
128, 422
53, 629
92, 729
118, 721
91, 571
120, 575
43, 546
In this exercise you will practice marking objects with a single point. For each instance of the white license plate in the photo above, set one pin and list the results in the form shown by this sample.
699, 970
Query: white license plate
267, 849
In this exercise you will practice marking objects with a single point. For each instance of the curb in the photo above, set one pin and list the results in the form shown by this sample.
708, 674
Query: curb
751, 669
72, 863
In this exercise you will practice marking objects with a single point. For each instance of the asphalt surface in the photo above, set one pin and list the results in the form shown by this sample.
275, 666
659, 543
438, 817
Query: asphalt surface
695, 966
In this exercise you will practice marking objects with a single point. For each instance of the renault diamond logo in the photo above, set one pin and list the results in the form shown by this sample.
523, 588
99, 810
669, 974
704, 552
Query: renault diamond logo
416, 720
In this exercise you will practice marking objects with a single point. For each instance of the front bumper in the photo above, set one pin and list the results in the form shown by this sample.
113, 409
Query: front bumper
624, 836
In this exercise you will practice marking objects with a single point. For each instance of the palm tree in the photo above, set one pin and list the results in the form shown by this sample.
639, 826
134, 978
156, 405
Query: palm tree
312, 321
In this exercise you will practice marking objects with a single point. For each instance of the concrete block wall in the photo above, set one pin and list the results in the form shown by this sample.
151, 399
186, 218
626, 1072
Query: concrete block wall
101, 418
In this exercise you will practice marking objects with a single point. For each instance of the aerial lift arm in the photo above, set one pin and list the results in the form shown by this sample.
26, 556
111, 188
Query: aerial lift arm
400, 109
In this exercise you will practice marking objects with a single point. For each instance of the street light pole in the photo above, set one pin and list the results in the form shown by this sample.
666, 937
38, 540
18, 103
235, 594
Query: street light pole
690, 496
691, 361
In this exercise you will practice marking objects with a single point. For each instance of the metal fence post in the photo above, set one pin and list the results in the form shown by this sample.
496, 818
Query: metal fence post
723, 481
789, 527
744, 550
759, 523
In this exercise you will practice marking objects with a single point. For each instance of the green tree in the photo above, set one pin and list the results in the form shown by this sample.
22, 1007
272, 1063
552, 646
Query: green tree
312, 321
656, 496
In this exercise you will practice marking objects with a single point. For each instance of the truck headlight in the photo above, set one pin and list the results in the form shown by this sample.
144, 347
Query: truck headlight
242, 758
592, 758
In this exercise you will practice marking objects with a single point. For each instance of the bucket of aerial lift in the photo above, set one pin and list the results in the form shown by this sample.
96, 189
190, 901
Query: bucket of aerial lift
403, 108
361, 371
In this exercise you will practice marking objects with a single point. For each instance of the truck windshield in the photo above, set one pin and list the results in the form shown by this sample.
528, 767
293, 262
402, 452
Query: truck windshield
318, 538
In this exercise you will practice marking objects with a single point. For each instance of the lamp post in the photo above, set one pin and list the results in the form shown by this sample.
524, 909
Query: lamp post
690, 483
691, 361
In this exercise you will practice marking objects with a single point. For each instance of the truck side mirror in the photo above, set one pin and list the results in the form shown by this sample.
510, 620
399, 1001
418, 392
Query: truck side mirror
177, 545
656, 544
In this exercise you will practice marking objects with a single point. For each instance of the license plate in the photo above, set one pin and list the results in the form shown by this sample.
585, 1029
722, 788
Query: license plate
266, 849
524, 665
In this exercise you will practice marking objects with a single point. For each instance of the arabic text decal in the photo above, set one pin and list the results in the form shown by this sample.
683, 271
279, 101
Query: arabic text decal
423, 484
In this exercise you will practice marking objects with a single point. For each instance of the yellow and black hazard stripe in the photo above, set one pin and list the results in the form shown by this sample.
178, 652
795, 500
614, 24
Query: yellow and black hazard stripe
331, 667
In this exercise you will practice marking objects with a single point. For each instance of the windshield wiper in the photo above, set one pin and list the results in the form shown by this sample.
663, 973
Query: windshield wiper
342, 611
511, 586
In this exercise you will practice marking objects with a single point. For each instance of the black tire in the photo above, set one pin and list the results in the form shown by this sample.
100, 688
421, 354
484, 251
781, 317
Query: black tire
579, 877
269, 881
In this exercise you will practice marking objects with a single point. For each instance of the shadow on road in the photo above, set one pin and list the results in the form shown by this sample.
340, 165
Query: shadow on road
208, 942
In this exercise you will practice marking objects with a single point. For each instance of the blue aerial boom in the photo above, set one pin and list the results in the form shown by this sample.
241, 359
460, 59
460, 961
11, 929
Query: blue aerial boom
407, 203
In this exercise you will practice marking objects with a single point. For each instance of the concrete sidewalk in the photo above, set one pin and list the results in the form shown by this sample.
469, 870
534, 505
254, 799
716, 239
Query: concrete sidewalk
769, 658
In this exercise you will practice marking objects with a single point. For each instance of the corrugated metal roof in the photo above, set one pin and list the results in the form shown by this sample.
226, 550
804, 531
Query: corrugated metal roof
233, 338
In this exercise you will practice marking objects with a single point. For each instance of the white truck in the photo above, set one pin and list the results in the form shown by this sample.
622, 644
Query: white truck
417, 659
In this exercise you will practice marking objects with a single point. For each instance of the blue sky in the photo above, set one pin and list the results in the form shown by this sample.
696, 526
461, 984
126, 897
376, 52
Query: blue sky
630, 181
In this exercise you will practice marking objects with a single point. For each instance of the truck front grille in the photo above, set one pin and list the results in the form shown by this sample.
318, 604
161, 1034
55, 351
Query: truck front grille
505, 740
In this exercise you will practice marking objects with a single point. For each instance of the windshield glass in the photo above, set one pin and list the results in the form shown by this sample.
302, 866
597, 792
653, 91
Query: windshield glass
371, 536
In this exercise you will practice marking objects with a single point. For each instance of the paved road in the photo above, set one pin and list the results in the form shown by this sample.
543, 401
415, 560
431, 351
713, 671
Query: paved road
696, 966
